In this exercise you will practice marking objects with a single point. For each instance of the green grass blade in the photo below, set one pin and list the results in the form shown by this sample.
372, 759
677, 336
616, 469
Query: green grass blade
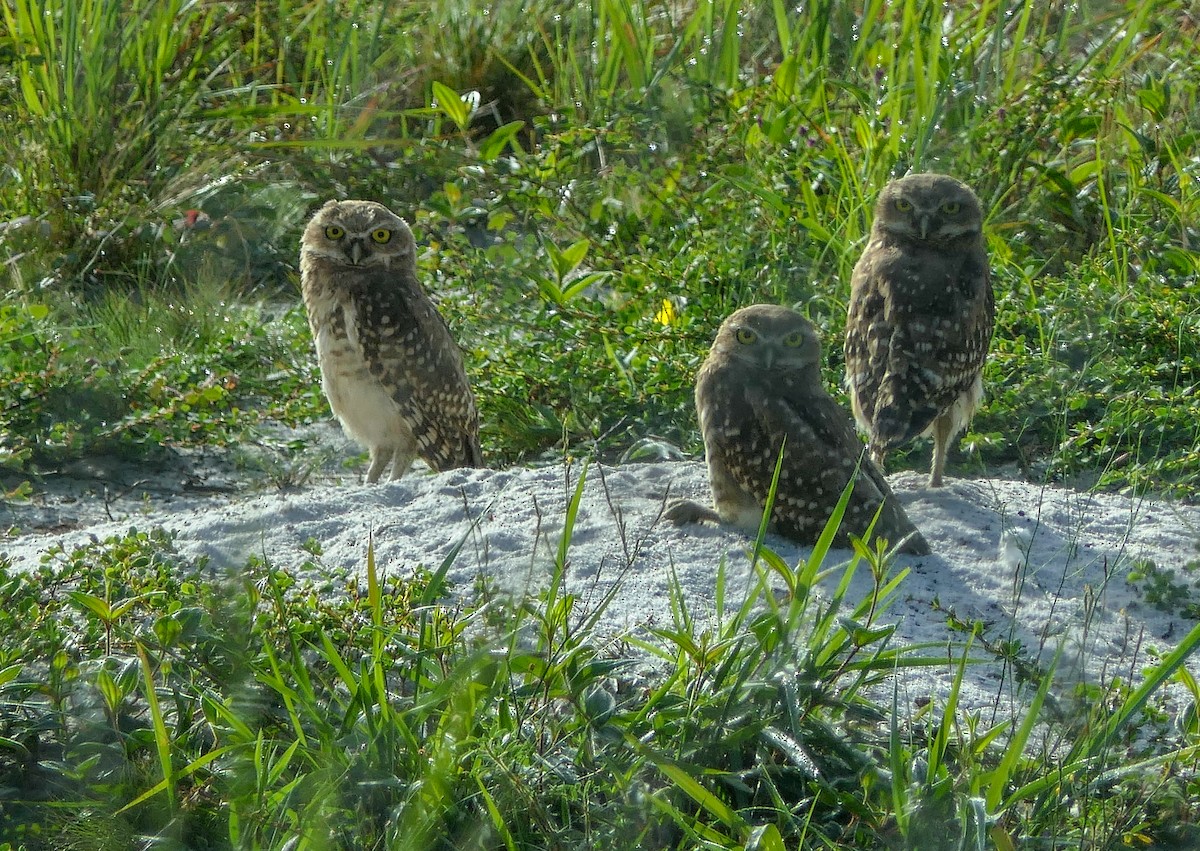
162, 739
564, 540
706, 799
189, 769
1159, 676
999, 779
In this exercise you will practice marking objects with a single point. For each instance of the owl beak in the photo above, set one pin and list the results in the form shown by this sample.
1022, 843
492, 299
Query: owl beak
354, 250
769, 356
923, 223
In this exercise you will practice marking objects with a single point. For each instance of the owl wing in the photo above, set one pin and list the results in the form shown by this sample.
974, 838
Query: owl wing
868, 334
917, 334
409, 349
821, 454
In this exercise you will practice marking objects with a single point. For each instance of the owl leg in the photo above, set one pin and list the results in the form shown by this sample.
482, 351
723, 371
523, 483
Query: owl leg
944, 428
380, 455
403, 460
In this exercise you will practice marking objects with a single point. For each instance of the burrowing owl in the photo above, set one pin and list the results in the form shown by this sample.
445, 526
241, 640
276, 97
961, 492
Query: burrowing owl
759, 393
389, 367
921, 317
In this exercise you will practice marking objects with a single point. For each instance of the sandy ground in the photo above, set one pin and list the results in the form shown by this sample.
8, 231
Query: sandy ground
1041, 565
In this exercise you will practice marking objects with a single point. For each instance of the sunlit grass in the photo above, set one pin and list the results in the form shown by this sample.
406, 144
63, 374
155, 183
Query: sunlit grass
572, 167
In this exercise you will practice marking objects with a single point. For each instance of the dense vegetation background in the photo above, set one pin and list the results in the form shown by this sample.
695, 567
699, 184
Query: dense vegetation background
594, 185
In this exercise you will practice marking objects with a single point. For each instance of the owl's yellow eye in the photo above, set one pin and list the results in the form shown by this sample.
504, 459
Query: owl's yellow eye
950, 207
745, 335
381, 235
335, 232
794, 339
903, 205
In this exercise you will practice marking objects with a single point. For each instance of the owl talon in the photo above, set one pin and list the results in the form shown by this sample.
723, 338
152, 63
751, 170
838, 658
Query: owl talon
685, 511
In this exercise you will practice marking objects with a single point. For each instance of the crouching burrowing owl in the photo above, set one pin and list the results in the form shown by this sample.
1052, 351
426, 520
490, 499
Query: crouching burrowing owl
392, 373
921, 317
758, 394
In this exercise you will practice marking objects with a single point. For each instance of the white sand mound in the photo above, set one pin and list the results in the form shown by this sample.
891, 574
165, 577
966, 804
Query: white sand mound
1036, 564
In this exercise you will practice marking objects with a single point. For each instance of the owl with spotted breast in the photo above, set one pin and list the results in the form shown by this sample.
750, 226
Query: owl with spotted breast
920, 318
392, 372
759, 394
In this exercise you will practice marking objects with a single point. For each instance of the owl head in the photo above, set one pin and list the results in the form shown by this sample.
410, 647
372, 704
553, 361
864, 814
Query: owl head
929, 207
769, 337
358, 233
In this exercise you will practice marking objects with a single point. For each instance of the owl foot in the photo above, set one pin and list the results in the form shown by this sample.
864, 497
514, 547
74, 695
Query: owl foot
681, 511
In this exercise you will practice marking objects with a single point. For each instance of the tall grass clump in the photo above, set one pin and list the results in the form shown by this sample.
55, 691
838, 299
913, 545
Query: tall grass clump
108, 99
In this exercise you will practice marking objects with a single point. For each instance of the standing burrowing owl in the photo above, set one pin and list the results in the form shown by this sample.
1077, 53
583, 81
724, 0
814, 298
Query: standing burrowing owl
389, 367
921, 317
758, 393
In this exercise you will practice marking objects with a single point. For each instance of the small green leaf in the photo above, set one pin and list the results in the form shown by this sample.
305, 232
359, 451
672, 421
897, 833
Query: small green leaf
498, 219
1154, 99
566, 260
765, 837
504, 135
582, 283
1086, 172
91, 603
167, 630
126, 605
449, 102
108, 690
550, 291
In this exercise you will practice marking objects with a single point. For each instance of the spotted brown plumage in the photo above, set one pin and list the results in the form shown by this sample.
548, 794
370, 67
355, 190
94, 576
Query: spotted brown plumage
920, 318
759, 393
390, 368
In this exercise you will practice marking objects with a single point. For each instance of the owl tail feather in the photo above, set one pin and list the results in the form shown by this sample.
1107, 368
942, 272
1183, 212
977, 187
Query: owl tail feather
894, 525
891, 522
898, 423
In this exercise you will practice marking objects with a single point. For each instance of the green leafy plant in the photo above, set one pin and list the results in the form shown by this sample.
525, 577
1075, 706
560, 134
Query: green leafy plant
1166, 589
